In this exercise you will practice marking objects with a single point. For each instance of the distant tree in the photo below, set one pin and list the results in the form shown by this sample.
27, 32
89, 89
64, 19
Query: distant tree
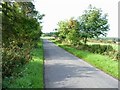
73, 34
69, 31
93, 23
62, 29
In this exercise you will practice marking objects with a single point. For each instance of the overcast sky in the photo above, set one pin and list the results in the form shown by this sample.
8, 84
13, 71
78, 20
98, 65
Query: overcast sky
56, 10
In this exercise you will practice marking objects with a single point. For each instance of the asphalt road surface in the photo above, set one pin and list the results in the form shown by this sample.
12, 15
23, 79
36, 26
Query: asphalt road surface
64, 70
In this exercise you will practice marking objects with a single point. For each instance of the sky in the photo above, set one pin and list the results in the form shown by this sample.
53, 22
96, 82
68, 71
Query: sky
57, 10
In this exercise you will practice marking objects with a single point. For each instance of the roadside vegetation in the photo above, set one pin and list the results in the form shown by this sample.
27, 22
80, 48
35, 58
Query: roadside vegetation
82, 38
114, 42
22, 54
31, 74
105, 63
82, 32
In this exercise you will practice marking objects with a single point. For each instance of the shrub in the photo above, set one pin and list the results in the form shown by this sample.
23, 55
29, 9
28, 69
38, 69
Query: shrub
97, 48
14, 56
118, 55
109, 41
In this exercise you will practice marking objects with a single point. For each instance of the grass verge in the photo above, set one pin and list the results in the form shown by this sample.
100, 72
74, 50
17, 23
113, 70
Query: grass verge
31, 75
104, 63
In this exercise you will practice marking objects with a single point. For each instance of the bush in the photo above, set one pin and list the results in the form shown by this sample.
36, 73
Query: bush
118, 55
101, 49
109, 41
12, 57
97, 48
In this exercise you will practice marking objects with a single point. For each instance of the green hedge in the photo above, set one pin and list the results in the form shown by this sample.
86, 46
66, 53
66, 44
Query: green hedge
97, 48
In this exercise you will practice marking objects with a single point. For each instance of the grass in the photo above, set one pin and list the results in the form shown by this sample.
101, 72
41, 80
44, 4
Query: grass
32, 73
104, 63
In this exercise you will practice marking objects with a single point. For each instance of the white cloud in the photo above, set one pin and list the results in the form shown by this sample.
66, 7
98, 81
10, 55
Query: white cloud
56, 10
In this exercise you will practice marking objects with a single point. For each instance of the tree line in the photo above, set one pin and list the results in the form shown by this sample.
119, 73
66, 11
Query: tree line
21, 30
91, 24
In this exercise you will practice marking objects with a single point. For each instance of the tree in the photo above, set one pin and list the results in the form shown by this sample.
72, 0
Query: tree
93, 23
73, 34
69, 31
21, 30
62, 29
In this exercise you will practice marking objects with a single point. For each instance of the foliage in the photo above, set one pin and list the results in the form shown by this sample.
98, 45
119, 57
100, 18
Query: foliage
21, 30
62, 29
93, 23
31, 74
13, 57
104, 63
89, 25
118, 55
68, 31
107, 50
96, 48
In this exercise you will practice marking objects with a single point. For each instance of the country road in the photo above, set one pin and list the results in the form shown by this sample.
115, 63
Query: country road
64, 70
